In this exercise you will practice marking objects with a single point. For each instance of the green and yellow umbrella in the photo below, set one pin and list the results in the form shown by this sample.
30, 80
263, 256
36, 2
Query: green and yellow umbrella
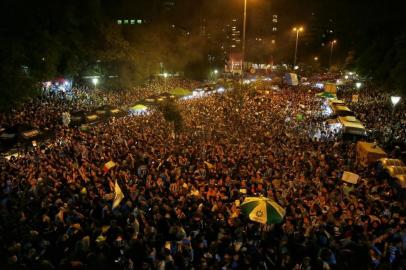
262, 210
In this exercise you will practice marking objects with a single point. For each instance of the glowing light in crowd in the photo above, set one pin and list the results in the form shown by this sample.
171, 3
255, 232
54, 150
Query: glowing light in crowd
198, 93
395, 100
216, 71
326, 109
189, 97
166, 75
296, 67
319, 85
95, 81
346, 77
220, 90
358, 85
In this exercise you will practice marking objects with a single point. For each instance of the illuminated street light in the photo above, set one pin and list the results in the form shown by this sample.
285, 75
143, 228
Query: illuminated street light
346, 77
358, 85
214, 74
316, 58
95, 81
297, 30
395, 100
165, 76
333, 42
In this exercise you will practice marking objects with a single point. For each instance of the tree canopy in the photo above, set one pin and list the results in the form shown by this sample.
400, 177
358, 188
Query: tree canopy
42, 40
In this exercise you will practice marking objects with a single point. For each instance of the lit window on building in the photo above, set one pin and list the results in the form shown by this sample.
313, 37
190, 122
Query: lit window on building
132, 21
125, 21
119, 22
275, 20
139, 21
274, 29
275, 16
273, 41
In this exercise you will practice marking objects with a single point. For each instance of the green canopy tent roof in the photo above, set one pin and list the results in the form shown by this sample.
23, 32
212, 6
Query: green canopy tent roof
326, 95
139, 107
180, 92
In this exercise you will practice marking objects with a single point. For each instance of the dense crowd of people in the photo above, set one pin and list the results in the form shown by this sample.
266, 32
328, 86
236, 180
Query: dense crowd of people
46, 110
386, 121
181, 208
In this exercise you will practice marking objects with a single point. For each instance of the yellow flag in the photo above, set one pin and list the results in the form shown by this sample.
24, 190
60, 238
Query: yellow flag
118, 195
209, 165
108, 166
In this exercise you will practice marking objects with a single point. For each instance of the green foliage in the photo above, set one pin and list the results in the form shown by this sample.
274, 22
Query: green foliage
180, 92
384, 60
81, 38
15, 87
171, 113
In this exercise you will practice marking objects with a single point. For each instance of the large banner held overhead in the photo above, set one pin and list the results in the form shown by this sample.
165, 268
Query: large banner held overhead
350, 177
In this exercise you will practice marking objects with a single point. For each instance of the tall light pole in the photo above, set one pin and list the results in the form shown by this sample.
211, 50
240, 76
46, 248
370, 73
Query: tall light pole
243, 42
331, 50
297, 30
165, 76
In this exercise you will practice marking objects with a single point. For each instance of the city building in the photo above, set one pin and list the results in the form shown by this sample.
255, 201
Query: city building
275, 28
169, 4
235, 35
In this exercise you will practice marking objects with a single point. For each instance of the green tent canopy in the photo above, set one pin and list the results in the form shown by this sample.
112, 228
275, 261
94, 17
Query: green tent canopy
180, 92
139, 107
326, 95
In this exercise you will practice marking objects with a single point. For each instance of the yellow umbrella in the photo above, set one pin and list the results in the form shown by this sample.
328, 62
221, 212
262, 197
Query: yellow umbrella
263, 210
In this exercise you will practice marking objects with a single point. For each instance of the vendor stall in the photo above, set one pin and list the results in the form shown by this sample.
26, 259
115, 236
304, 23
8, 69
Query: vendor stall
368, 153
351, 125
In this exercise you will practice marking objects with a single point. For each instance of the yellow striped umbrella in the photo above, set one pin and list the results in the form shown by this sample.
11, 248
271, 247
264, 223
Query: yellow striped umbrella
262, 210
